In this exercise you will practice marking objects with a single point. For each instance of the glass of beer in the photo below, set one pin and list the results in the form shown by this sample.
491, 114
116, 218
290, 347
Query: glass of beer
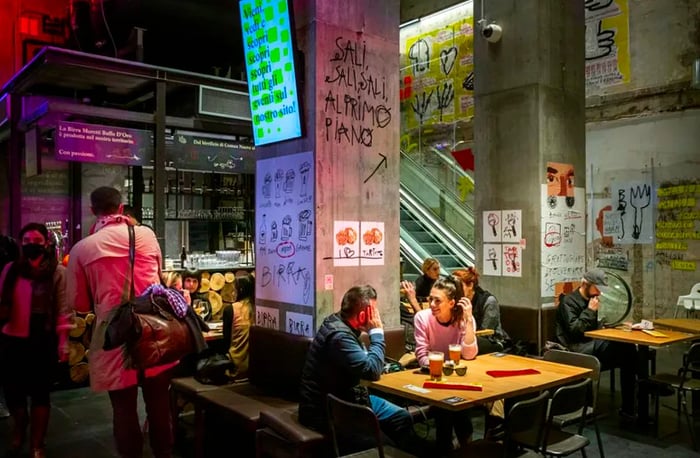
435, 359
455, 353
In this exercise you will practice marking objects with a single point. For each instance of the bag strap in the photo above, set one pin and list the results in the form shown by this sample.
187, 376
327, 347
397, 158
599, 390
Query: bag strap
132, 256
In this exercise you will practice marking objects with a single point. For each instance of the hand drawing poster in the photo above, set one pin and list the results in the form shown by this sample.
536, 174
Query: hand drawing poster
267, 317
346, 243
491, 224
284, 240
632, 203
300, 324
372, 243
512, 226
607, 43
512, 260
492, 259
563, 237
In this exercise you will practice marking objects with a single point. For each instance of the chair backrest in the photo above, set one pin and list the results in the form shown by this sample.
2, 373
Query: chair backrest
525, 421
691, 361
579, 360
569, 399
354, 427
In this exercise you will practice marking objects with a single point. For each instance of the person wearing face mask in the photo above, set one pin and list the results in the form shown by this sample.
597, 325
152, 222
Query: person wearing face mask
449, 320
35, 319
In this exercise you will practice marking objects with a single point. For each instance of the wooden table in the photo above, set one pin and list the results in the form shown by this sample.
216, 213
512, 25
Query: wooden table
551, 375
679, 324
643, 342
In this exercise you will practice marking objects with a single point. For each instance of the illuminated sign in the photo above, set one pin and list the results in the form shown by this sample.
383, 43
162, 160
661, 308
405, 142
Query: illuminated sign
269, 57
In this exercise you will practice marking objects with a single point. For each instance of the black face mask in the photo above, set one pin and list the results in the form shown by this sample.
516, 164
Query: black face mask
33, 250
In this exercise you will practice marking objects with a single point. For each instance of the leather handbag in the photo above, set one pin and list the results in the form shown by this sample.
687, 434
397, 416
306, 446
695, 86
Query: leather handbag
150, 334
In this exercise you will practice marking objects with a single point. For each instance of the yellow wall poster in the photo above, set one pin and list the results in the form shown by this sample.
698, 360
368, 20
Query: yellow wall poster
607, 43
437, 76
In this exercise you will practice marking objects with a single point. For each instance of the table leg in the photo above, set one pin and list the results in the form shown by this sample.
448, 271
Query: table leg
642, 391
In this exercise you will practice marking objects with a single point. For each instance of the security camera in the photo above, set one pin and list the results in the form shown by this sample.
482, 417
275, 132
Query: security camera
492, 32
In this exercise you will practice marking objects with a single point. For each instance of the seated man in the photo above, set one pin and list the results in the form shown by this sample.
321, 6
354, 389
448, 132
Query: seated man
577, 313
337, 361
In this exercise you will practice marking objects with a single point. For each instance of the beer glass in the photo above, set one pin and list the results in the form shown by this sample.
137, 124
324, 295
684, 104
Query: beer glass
435, 359
455, 353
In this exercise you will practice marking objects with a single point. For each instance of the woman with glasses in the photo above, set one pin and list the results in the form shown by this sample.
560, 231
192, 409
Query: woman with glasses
448, 321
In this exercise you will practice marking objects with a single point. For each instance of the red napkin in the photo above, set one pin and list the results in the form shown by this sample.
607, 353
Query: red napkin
453, 386
510, 373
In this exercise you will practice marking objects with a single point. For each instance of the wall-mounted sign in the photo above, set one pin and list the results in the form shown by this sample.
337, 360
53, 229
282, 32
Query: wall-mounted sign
189, 151
269, 56
76, 141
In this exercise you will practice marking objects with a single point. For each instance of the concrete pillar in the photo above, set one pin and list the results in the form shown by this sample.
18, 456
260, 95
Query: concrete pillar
350, 102
530, 110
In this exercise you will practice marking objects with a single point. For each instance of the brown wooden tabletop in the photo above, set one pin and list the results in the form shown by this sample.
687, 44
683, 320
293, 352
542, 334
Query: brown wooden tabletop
691, 325
404, 383
641, 338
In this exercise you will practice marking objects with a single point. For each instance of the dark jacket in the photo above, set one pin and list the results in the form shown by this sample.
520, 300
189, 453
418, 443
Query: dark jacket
335, 363
423, 286
487, 314
573, 319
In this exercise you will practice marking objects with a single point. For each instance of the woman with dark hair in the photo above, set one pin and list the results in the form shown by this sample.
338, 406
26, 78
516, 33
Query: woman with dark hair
448, 321
486, 311
238, 318
35, 319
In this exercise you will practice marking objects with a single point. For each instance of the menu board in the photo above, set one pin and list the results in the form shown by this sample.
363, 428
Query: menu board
268, 47
76, 141
216, 153
284, 221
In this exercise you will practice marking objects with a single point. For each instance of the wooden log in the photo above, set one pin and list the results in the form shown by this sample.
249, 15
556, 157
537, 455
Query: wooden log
79, 373
76, 353
79, 328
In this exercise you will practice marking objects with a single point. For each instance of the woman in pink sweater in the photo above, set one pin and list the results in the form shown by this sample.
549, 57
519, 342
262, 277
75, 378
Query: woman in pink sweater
448, 321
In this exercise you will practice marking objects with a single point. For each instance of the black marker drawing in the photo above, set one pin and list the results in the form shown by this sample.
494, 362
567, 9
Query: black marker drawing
511, 220
279, 181
596, 5
273, 231
622, 208
421, 105
468, 83
640, 198
445, 96
493, 257
267, 186
493, 221
601, 44
286, 228
382, 162
289, 181
419, 55
305, 225
263, 231
304, 169
448, 57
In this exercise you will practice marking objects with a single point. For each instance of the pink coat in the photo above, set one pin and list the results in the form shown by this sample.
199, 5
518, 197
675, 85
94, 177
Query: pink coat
98, 273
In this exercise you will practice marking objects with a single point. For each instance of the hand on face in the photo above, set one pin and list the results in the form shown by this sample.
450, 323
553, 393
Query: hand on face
594, 303
373, 318
466, 305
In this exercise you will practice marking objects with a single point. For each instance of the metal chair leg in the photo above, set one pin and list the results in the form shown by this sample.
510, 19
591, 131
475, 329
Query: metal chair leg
689, 422
600, 441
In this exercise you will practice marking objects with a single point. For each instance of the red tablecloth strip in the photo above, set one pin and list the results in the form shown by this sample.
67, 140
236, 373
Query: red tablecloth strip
511, 373
453, 386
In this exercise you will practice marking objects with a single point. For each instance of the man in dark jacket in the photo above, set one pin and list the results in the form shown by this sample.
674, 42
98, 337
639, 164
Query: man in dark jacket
577, 313
337, 361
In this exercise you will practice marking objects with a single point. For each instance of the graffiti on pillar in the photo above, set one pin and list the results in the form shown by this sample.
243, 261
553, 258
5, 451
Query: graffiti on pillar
512, 259
355, 104
560, 183
607, 43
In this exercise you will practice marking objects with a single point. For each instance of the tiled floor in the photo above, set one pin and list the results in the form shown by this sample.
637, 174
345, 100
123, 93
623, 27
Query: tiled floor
81, 426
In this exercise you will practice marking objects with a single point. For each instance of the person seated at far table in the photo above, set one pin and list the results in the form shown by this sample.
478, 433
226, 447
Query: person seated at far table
337, 361
238, 318
576, 314
486, 311
173, 280
449, 320
424, 283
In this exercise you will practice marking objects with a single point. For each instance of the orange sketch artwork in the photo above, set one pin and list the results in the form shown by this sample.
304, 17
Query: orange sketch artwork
347, 236
372, 237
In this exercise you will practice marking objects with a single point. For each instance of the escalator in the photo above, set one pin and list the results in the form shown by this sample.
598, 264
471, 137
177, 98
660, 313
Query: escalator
433, 220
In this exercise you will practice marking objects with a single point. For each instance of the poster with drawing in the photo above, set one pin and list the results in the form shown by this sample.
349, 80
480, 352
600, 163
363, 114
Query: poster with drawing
632, 202
267, 317
300, 324
512, 260
372, 243
607, 43
284, 241
346, 243
563, 237
512, 226
491, 224
492, 259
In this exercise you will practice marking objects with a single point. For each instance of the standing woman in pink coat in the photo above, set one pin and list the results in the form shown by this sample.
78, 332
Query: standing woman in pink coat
34, 320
